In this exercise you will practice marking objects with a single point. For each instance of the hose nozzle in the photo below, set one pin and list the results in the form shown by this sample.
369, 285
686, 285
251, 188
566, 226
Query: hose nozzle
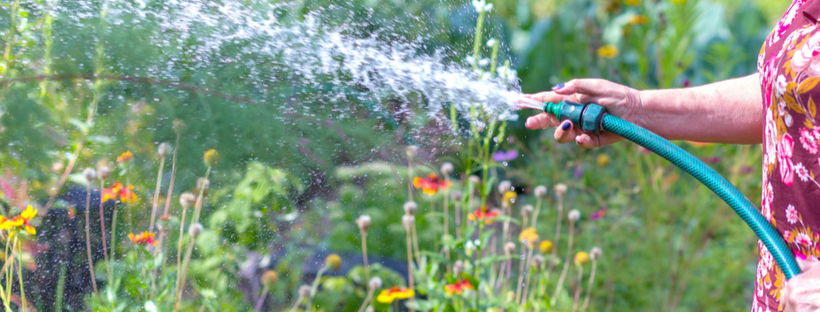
588, 116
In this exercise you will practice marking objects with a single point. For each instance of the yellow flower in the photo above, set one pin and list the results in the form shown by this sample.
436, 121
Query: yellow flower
125, 157
211, 158
144, 238
546, 247
333, 261
530, 235
608, 51
510, 197
581, 258
20, 222
388, 295
632, 2
637, 19
603, 160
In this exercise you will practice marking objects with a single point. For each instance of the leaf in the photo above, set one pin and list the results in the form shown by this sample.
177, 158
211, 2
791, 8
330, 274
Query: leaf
791, 103
808, 123
807, 85
473, 281
812, 107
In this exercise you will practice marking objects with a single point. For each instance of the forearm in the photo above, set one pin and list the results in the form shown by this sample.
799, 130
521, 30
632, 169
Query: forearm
728, 111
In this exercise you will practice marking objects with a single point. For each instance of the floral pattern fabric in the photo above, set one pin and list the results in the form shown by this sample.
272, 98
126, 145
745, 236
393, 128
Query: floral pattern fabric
789, 70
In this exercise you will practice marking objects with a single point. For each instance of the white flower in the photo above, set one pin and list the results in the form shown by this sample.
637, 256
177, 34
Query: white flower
803, 239
484, 62
780, 85
491, 42
791, 214
802, 172
478, 5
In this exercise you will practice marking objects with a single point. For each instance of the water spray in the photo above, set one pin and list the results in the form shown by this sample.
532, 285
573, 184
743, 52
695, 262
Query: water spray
593, 119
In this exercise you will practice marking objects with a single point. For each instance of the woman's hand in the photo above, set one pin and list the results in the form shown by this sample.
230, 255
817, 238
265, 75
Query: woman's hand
619, 100
802, 292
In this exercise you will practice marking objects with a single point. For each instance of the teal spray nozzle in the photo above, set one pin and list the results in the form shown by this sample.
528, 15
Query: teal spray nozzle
593, 119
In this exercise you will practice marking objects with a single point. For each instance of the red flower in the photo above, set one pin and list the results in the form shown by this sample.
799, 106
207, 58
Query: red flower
431, 184
482, 214
458, 287
118, 191
144, 238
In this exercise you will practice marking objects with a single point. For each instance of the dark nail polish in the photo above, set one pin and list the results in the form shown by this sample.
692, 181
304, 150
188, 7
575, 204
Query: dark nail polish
566, 125
558, 86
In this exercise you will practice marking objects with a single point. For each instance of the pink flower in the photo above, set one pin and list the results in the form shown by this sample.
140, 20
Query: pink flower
808, 57
787, 236
791, 214
785, 22
803, 239
784, 159
766, 205
799, 255
780, 86
802, 172
809, 138
771, 140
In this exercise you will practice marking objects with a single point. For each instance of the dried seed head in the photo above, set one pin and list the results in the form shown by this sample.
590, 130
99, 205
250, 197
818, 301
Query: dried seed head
187, 200
581, 258
447, 169
560, 189
545, 247
509, 248
178, 125
456, 195
375, 283
304, 291
89, 174
103, 172
574, 215
458, 268
165, 149
411, 151
504, 186
537, 260
527, 210
408, 221
270, 278
363, 222
333, 261
474, 179
211, 158
595, 253
410, 208
202, 182
195, 230
540, 191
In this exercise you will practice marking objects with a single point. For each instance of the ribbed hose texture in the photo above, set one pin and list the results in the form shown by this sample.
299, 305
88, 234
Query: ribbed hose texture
715, 182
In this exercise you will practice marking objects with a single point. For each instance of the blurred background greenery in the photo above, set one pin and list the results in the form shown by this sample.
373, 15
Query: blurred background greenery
291, 183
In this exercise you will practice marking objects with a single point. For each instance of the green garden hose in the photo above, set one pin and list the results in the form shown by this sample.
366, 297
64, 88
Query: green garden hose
593, 118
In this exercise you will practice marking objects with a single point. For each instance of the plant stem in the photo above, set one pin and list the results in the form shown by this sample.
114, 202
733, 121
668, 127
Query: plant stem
20, 272
102, 231
521, 266
156, 195
168, 196
409, 260
566, 265
58, 304
367, 299
88, 238
478, 263
589, 285
447, 226
179, 245
315, 287
261, 299
113, 250
364, 256
416, 246
535, 214
181, 284
578, 288
527, 272
557, 236
298, 303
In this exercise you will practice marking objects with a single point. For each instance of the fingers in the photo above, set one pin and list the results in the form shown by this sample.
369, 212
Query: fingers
588, 87
566, 132
586, 140
541, 121
546, 96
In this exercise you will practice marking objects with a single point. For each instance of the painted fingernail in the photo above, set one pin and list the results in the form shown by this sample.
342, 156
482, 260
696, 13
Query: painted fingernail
565, 126
558, 86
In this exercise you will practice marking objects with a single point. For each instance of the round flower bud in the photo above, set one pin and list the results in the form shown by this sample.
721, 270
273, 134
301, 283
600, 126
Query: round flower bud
57, 167
408, 221
269, 278
304, 291
195, 230
103, 172
456, 195
504, 186
447, 169
560, 189
333, 261
89, 174
375, 283
545, 247
540, 191
187, 200
537, 260
211, 158
595, 253
410, 208
581, 258
474, 179
411, 151
178, 125
165, 149
458, 268
526, 210
509, 248
363, 222
574, 215
202, 182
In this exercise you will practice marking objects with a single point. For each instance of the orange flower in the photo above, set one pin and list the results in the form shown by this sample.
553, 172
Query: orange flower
119, 191
388, 295
482, 214
431, 184
127, 195
458, 287
20, 222
125, 157
144, 238
111, 192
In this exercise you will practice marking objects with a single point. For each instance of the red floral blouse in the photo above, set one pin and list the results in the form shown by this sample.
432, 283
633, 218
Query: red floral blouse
789, 70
